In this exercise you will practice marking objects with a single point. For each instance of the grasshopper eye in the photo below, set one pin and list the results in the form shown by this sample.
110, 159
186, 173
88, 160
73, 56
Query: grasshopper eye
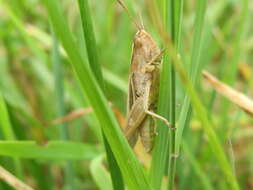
138, 42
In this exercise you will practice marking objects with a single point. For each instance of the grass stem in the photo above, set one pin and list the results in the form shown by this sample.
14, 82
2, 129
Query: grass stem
59, 91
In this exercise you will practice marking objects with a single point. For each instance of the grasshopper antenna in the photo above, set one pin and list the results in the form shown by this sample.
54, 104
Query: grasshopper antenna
141, 20
140, 27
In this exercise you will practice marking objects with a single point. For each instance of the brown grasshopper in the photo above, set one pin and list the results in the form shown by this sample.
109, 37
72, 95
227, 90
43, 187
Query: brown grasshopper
143, 90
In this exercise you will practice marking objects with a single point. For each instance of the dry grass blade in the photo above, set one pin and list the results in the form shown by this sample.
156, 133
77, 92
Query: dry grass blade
84, 111
234, 96
12, 180
72, 115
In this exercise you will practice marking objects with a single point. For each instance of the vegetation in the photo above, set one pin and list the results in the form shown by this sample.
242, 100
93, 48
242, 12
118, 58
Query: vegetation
64, 68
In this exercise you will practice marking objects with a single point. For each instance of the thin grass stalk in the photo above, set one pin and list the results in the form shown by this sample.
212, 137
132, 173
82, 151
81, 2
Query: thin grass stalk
207, 51
17, 22
203, 116
201, 113
160, 151
59, 88
176, 17
132, 171
172, 156
194, 68
59, 91
92, 52
231, 67
196, 167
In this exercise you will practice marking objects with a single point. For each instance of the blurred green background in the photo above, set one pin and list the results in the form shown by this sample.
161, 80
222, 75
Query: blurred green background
38, 88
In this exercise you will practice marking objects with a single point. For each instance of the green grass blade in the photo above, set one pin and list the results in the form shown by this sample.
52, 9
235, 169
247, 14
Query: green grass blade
91, 45
100, 175
59, 88
5, 121
53, 150
21, 27
167, 96
194, 68
115, 81
90, 40
59, 91
197, 168
132, 172
176, 10
208, 127
231, 67
8, 133
160, 151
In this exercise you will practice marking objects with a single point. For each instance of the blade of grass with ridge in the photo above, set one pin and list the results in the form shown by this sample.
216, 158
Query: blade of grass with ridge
194, 68
53, 150
176, 10
21, 27
92, 52
59, 91
167, 92
132, 172
8, 133
160, 151
100, 175
230, 70
44, 39
203, 116
196, 167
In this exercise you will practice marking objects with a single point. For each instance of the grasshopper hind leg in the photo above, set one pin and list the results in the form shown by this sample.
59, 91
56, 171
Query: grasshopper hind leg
147, 133
133, 139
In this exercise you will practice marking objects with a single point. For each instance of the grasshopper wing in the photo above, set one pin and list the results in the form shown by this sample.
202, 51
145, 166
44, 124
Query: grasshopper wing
130, 102
131, 94
135, 118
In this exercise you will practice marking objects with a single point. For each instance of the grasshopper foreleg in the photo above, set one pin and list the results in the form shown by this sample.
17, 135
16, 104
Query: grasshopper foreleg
157, 58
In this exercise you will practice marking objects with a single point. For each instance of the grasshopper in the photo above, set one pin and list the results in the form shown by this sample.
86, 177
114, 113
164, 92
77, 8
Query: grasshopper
143, 90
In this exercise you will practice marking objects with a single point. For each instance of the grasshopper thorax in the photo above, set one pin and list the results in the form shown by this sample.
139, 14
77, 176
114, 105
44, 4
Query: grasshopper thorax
145, 45
145, 62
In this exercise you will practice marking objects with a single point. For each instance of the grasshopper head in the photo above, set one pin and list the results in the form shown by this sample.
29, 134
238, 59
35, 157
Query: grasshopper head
145, 43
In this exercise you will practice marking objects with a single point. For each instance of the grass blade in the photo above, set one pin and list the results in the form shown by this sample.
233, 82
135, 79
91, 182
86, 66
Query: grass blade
115, 81
160, 152
12, 180
194, 68
197, 168
21, 27
53, 150
133, 173
8, 133
231, 67
100, 175
89, 37
90, 40
208, 127
176, 17
59, 91
5, 121
165, 107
